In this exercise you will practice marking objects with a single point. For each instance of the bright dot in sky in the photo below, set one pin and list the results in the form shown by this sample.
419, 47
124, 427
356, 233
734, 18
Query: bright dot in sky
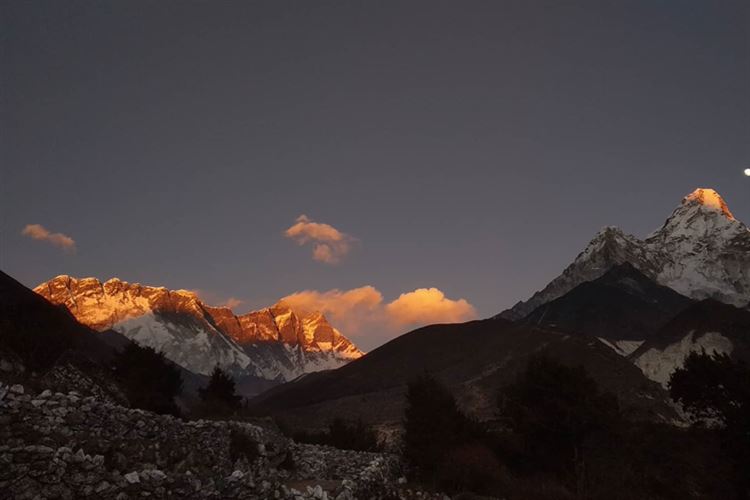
747, 172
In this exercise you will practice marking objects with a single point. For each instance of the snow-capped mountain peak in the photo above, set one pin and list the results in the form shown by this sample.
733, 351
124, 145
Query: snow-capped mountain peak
275, 343
709, 199
701, 251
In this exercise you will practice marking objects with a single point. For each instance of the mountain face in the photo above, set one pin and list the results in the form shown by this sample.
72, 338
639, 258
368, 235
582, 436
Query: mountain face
701, 252
622, 308
275, 343
706, 325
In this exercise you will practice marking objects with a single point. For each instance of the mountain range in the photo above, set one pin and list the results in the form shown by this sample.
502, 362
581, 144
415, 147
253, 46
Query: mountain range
275, 343
627, 310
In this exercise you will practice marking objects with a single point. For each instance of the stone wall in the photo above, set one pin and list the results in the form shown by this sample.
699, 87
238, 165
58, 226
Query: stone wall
63, 445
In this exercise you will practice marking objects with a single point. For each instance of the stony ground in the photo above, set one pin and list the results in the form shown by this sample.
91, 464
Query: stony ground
63, 445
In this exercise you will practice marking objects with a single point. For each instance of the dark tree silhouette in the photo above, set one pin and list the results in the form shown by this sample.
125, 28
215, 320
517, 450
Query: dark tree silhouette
713, 388
554, 408
148, 379
433, 425
715, 391
219, 395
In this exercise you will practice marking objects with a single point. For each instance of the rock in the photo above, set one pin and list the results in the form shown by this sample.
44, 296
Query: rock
152, 475
16, 389
236, 475
132, 477
45, 394
103, 486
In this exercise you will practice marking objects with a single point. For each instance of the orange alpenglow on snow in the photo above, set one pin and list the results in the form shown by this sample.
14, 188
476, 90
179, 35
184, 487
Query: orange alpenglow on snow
711, 199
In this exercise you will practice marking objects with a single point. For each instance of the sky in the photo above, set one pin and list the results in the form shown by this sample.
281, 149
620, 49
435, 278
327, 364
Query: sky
394, 163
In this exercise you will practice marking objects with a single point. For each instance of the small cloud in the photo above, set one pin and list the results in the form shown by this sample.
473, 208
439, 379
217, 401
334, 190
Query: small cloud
232, 302
41, 233
363, 315
214, 299
329, 245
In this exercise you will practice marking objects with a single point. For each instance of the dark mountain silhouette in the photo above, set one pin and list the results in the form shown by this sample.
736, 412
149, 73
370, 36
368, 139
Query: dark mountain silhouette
39, 332
474, 359
622, 304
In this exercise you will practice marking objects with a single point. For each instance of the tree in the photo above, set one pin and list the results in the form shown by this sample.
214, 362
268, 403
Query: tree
715, 391
219, 395
433, 425
149, 380
554, 408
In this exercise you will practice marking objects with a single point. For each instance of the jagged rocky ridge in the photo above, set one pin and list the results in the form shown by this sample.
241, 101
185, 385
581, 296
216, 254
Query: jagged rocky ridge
701, 251
275, 343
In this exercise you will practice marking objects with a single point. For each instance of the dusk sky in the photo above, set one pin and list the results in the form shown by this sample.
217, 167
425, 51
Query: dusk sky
251, 150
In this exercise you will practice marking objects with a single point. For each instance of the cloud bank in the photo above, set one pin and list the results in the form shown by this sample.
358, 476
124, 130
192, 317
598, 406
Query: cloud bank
329, 245
41, 233
363, 315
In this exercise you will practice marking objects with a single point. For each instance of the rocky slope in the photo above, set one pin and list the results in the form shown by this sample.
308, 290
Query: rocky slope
275, 343
63, 445
707, 325
701, 251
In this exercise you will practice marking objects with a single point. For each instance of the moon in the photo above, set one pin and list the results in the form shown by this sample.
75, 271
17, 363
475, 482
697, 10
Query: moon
747, 172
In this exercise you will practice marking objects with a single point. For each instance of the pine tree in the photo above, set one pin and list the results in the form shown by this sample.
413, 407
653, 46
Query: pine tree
219, 395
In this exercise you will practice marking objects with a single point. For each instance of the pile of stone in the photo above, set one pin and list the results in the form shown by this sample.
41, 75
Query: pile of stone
63, 445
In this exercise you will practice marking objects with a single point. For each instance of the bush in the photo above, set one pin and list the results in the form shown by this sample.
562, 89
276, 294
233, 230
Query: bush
148, 379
